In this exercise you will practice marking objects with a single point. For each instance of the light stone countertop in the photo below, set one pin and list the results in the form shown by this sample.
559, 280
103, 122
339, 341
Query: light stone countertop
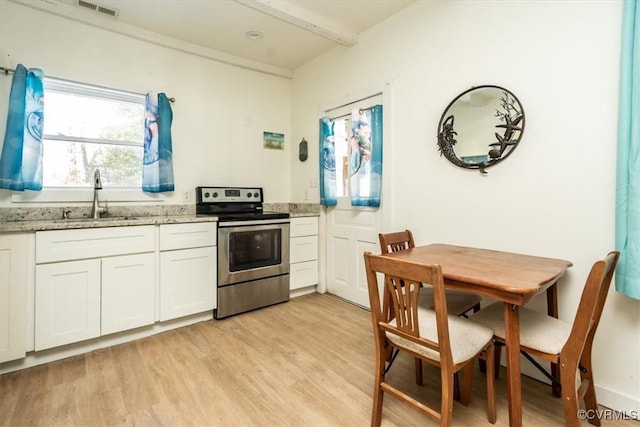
50, 218
120, 221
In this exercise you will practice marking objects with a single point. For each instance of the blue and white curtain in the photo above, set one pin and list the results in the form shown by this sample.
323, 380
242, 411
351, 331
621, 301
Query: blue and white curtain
157, 172
365, 158
327, 163
628, 171
21, 159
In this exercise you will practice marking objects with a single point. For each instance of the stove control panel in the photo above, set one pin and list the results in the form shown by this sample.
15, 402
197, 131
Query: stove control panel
228, 194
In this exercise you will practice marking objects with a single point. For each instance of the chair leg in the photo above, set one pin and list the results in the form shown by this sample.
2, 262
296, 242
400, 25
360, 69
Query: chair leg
590, 401
446, 408
388, 353
465, 392
491, 391
569, 395
418, 371
555, 386
376, 415
497, 355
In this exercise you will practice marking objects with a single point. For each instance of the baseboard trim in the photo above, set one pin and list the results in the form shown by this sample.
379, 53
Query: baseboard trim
619, 402
36, 358
302, 291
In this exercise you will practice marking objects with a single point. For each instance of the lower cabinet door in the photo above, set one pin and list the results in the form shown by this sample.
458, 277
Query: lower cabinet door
67, 303
187, 282
14, 282
303, 274
128, 292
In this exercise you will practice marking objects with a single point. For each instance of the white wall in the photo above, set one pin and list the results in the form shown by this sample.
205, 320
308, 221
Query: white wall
554, 196
220, 111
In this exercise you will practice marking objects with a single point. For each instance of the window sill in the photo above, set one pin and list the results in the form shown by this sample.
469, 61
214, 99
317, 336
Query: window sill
84, 194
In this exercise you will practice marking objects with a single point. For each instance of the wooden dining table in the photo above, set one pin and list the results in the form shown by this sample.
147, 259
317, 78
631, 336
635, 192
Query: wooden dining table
508, 277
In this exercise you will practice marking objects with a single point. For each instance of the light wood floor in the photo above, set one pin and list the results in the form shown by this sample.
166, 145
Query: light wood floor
292, 364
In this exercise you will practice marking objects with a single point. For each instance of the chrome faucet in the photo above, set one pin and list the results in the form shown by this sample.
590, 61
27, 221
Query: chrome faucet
96, 209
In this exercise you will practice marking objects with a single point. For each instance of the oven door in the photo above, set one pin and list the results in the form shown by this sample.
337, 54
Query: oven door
250, 251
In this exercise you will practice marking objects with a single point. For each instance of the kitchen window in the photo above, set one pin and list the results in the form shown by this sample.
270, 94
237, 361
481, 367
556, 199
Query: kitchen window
89, 127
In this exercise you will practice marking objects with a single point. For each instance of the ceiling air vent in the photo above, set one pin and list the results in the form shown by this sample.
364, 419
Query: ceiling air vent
98, 9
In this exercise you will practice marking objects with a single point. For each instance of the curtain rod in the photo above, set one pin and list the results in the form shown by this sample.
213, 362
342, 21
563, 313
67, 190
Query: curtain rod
354, 102
11, 70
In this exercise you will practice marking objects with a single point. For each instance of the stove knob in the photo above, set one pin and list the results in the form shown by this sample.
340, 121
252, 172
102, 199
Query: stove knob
249, 195
255, 195
215, 194
206, 195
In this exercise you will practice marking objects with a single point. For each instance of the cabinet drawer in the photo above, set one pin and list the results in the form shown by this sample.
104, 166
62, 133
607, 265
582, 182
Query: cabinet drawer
303, 274
303, 249
192, 235
61, 245
304, 226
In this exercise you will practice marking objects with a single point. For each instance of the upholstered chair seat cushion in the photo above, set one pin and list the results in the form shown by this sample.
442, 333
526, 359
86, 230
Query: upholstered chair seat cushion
457, 302
467, 338
538, 331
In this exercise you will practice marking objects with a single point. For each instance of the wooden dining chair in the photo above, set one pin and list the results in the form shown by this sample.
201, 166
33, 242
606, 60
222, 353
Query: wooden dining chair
458, 302
448, 342
568, 345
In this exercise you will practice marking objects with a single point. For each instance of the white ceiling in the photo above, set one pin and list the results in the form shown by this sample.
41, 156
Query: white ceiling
294, 31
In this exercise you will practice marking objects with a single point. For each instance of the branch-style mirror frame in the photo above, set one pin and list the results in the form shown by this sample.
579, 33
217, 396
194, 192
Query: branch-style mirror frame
489, 114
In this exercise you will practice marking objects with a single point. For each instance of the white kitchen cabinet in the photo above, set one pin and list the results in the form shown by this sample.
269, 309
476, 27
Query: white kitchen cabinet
15, 264
93, 282
188, 269
128, 292
303, 252
67, 302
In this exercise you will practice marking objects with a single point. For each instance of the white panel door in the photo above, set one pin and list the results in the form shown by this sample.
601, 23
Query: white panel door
188, 280
128, 292
67, 302
350, 233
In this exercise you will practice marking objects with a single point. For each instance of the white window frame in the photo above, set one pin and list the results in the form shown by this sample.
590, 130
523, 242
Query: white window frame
85, 194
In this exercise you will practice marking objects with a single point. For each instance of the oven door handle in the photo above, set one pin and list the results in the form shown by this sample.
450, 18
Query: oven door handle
254, 222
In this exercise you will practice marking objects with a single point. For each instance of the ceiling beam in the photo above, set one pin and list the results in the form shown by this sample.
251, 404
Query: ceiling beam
297, 15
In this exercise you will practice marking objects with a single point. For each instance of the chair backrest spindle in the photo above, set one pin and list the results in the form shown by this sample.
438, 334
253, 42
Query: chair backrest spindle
396, 241
402, 287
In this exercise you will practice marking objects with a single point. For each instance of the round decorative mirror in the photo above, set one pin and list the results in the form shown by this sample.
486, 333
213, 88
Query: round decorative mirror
481, 127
